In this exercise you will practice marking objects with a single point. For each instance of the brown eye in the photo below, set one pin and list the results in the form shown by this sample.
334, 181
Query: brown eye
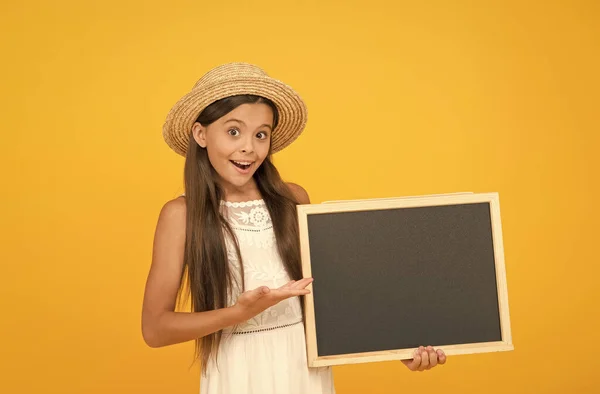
234, 132
262, 135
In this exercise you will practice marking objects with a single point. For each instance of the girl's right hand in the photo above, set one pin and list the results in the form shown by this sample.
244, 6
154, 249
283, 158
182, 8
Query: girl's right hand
252, 302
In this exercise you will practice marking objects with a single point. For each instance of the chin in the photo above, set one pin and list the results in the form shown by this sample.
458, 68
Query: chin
239, 182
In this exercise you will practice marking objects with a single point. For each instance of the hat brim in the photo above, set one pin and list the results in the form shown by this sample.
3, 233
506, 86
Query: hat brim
292, 110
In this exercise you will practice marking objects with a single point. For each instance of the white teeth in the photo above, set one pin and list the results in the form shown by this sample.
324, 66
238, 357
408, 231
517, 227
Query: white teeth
243, 163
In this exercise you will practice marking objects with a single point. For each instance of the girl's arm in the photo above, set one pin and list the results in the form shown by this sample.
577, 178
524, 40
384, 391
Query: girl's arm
161, 325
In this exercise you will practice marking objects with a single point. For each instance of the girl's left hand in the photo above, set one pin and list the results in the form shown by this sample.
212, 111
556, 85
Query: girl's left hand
425, 358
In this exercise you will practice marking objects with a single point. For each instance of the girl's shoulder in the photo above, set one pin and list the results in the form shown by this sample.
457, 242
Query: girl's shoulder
174, 210
299, 193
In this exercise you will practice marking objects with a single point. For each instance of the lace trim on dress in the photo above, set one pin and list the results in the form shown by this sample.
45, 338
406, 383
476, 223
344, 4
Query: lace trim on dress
243, 204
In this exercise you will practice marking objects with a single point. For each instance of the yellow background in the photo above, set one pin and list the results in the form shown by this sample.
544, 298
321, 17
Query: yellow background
405, 98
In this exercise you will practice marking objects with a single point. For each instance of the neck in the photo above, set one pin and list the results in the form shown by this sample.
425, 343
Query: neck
247, 192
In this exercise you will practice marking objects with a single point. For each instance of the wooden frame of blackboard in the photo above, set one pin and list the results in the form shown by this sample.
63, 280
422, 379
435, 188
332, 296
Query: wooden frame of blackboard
304, 211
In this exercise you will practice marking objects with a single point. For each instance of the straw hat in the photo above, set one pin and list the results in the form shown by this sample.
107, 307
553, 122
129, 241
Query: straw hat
229, 80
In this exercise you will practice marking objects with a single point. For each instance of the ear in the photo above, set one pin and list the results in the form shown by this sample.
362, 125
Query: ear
199, 134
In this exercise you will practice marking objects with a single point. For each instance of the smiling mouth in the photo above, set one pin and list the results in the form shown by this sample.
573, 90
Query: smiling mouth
243, 165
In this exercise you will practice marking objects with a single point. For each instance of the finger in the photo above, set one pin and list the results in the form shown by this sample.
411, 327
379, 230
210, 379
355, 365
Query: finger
302, 283
424, 359
282, 294
441, 356
259, 292
433, 359
295, 292
252, 296
416, 361
413, 364
288, 285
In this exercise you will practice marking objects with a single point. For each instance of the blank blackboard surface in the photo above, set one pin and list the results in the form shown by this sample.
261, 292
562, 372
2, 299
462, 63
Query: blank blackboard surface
419, 271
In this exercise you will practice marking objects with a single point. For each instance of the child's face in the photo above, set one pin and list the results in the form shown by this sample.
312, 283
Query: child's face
238, 142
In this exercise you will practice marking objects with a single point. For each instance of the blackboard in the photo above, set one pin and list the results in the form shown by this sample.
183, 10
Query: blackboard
393, 274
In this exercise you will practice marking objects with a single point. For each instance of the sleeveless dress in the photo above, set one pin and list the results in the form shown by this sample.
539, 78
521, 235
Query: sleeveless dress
266, 354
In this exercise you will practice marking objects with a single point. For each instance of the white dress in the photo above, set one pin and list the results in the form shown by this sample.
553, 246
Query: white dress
266, 354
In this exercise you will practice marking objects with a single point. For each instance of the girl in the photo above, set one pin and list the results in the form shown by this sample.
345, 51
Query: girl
231, 244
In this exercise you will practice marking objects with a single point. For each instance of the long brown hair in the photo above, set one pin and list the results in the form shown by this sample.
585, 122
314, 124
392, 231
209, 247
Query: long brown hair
206, 278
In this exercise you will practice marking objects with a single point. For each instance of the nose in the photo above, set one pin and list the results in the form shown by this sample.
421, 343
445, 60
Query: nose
247, 145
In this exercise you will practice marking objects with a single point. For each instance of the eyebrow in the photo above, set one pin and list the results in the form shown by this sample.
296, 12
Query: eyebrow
242, 122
